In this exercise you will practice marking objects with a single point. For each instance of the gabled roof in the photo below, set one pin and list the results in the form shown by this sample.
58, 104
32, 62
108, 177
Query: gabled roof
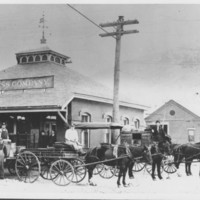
67, 85
174, 103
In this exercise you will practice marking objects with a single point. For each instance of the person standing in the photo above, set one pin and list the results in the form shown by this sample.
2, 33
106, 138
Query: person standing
4, 132
3, 137
158, 132
52, 138
42, 139
71, 138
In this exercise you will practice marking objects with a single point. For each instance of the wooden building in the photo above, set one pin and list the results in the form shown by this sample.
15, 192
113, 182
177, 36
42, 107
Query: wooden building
42, 93
179, 122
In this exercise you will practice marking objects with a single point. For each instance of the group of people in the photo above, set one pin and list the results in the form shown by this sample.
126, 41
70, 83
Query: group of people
47, 138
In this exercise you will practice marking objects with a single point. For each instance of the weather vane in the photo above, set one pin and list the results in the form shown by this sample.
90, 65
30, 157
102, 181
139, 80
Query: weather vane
42, 22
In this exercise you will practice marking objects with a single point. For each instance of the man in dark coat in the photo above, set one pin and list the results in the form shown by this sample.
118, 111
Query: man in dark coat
158, 134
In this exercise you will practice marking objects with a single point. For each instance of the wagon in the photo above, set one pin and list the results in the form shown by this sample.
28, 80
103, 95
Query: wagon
104, 171
60, 164
138, 138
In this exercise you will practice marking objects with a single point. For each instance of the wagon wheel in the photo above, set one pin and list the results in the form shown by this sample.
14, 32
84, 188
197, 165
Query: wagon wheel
106, 171
168, 165
45, 170
115, 171
148, 167
45, 166
11, 167
61, 172
79, 171
27, 167
97, 169
138, 166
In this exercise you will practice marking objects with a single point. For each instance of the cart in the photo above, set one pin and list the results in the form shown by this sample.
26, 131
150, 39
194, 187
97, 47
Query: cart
60, 163
138, 138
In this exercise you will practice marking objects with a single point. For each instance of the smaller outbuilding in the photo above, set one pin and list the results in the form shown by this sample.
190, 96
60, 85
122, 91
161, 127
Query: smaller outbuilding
179, 122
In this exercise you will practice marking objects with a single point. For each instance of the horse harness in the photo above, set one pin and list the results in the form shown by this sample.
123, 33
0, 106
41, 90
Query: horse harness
179, 153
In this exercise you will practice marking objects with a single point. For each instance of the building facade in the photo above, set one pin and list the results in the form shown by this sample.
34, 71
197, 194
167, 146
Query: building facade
41, 95
179, 122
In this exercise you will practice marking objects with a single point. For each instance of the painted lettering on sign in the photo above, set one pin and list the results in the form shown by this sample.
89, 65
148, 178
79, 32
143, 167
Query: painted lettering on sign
27, 83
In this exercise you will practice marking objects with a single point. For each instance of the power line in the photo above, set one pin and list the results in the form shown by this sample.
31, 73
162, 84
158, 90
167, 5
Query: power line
88, 19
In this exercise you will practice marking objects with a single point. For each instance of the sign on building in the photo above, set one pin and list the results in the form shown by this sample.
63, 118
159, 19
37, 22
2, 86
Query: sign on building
27, 83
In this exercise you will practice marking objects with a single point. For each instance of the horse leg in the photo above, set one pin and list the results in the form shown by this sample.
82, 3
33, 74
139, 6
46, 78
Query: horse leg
189, 166
130, 172
186, 171
124, 177
119, 177
158, 168
153, 170
178, 170
90, 175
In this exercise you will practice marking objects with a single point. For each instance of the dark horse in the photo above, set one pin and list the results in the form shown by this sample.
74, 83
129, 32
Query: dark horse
158, 151
189, 152
105, 152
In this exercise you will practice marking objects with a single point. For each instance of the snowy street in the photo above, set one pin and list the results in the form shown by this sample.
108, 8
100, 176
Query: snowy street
142, 187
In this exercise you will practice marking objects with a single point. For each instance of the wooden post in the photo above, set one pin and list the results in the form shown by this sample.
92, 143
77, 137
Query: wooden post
117, 35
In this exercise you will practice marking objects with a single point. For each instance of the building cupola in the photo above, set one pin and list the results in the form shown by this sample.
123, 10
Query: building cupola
42, 54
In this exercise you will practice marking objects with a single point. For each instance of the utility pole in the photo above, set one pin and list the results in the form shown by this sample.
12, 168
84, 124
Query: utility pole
118, 25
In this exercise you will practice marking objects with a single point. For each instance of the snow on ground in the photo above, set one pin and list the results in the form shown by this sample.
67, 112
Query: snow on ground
142, 187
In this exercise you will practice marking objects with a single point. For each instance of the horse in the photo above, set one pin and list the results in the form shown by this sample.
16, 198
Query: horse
125, 155
189, 152
158, 150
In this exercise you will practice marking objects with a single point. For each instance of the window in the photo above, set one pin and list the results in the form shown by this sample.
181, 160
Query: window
126, 121
172, 112
37, 58
191, 135
57, 60
44, 57
85, 117
52, 58
107, 136
24, 60
30, 59
137, 123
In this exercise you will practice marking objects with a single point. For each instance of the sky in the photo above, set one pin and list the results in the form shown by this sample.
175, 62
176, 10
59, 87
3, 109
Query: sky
159, 63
